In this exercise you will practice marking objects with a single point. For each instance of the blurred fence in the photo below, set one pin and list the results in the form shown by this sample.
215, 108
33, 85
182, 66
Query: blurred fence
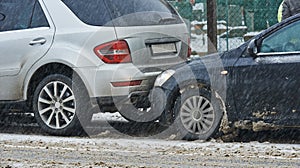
238, 20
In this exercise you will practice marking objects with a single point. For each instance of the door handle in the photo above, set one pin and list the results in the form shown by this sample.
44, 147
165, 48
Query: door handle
36, 41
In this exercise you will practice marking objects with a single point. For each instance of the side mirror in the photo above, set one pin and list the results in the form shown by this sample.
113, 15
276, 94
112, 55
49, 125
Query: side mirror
252, 48
2, 16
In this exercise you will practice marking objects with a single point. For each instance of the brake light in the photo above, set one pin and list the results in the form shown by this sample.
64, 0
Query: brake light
114, 52
127, 83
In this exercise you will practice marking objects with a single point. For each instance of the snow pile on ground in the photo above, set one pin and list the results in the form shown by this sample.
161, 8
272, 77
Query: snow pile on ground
108, 117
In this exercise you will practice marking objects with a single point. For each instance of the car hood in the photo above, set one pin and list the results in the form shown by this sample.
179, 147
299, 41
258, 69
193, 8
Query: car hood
197, 62
224, 59
207, 68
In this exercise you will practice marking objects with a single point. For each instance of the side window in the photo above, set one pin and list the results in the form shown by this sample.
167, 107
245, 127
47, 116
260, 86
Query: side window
286, 39
38, 17
92, 12
17, 14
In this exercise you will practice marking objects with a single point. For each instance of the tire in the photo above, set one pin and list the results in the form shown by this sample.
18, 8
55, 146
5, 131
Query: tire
61, 105
137, 115
198, 115
143, 111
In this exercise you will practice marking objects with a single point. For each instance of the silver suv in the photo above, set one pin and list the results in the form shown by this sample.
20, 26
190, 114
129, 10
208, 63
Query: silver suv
66, 58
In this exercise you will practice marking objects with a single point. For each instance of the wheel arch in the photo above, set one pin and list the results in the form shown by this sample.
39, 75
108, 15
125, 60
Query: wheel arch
186, 84
204, 85
41, 72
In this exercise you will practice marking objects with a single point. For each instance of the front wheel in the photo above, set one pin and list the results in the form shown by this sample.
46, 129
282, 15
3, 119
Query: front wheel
57, 103
198, 114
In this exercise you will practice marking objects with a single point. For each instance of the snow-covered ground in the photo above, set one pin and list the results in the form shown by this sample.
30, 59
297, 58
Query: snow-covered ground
27, 146
45, 151
108, 117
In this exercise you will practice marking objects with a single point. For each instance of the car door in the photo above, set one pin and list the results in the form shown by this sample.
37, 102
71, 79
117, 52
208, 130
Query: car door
267, 85
25, 36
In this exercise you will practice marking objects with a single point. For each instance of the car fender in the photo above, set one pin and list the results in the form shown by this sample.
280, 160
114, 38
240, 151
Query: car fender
64, 59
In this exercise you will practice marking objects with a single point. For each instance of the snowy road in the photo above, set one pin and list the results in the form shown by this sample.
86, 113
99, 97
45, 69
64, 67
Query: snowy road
25, 145
46, 151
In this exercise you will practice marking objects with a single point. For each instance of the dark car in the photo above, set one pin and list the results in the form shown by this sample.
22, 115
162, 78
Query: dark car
255, 86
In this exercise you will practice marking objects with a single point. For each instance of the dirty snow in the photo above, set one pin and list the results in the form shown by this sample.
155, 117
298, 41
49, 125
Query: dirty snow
46, 151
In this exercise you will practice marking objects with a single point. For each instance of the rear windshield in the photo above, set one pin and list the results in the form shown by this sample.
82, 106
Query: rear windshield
124, 12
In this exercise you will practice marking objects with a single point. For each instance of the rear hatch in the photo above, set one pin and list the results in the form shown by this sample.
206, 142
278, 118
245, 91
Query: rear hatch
155, 33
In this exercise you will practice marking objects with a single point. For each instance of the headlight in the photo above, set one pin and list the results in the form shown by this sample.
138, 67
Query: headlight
163, 77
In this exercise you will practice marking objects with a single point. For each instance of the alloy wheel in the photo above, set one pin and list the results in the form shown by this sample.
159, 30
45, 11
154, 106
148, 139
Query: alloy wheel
56, 105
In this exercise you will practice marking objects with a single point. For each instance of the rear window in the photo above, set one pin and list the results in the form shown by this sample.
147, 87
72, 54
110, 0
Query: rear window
124, 12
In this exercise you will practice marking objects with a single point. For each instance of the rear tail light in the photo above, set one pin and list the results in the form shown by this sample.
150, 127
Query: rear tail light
114, 52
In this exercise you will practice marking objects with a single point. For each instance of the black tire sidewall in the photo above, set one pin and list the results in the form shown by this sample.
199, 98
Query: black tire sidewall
134, 115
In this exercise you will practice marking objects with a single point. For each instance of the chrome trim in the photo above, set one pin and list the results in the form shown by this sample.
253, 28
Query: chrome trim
278, 53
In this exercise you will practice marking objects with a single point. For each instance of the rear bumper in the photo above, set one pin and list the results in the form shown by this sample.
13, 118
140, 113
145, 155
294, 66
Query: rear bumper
99, 81
138, 99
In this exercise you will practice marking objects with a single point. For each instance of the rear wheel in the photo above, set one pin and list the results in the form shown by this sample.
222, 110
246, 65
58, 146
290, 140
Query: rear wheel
198, 114
60, 104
